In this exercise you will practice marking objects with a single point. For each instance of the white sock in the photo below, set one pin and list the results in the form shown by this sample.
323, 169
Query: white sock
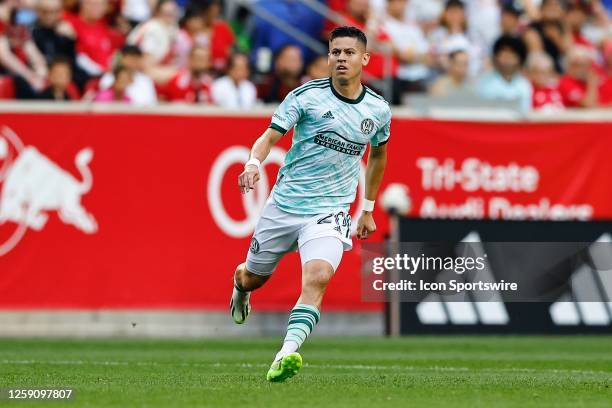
288, 347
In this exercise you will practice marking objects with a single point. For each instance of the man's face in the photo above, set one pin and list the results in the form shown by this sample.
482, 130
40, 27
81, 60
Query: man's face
458, 66
509, 22
49, 12
132, 61
552, 10
199, 61
240, 68
93, 10
289, 63
59, 76
507, 62
579, 67
168, 13
359, 9
396, 8
541, 73
347, 57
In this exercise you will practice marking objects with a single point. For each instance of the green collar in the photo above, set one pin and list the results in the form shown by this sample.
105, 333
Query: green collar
344, 98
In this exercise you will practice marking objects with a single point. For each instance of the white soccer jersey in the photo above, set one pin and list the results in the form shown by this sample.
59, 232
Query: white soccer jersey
321, 170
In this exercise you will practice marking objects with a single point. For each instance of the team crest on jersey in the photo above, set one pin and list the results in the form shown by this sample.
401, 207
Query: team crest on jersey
367, 126
254, 247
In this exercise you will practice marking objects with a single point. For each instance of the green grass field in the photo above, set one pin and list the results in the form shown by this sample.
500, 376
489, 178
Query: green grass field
360, 372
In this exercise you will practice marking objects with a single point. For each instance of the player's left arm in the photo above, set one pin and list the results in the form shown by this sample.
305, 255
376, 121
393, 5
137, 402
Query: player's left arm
377, 161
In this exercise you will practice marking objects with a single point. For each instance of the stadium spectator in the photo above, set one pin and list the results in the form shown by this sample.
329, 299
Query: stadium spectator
191, 33
19, 56
234, 90
317, 69
579, 85
382, 61
137, 11
505, 82
95, 41
452, 35
576, 15
410, 47
605, 89
220, 34
510, 22
52, 35
455, 81
118, 91
544, 81
484, 23
547, 32
60, 77
141, 90
156, 38
191, 85
288, 67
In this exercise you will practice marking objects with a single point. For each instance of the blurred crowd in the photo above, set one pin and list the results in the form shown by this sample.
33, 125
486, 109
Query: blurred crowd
544, 54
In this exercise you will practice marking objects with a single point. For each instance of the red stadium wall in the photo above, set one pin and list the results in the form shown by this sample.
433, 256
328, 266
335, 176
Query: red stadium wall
161, 223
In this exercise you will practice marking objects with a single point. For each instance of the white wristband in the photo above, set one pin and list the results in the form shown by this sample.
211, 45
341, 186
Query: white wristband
254, 161
368, 205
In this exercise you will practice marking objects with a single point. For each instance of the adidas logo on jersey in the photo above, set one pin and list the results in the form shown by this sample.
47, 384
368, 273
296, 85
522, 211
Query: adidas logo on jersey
328, 115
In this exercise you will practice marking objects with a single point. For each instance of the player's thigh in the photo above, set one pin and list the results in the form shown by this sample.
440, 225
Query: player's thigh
321, 256
276, 234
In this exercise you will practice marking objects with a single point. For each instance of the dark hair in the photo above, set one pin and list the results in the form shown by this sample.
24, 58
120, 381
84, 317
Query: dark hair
454, 3
349, 31
515, 44
453, 54
232, 59
190, 12
131, 50
60, 60
284, 48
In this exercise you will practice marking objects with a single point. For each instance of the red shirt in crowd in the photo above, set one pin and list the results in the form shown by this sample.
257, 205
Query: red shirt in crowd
221, 45
605, 91
572, 91
96, 40
547, 98
182, 87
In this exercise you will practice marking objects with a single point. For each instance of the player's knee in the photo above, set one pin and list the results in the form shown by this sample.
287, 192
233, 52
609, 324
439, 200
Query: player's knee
317, 273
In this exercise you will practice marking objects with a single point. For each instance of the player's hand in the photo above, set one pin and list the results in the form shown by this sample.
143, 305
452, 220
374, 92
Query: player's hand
248, 178
365, 225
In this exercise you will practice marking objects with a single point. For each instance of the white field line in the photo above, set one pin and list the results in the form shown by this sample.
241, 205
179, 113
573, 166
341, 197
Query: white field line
329, 366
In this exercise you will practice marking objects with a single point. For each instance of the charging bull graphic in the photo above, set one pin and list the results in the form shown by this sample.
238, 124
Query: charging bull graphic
31, 186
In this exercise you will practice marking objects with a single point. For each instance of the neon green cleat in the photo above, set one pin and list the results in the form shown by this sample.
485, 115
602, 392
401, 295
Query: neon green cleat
285, 367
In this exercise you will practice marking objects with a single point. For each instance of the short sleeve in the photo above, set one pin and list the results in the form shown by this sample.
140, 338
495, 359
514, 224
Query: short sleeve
381, 137
287, 114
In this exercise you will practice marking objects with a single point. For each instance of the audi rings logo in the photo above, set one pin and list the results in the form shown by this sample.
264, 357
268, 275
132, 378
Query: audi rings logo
254, 201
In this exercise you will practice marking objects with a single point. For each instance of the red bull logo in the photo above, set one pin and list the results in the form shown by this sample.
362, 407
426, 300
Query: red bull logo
32, 187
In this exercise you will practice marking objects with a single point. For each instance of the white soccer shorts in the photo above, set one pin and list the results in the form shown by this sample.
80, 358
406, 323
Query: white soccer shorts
322, 236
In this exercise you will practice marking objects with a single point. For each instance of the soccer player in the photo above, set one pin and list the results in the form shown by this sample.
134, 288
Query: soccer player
334, 119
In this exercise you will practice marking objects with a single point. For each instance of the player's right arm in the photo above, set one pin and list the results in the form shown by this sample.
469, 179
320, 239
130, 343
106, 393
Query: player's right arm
288, 113
261, 149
